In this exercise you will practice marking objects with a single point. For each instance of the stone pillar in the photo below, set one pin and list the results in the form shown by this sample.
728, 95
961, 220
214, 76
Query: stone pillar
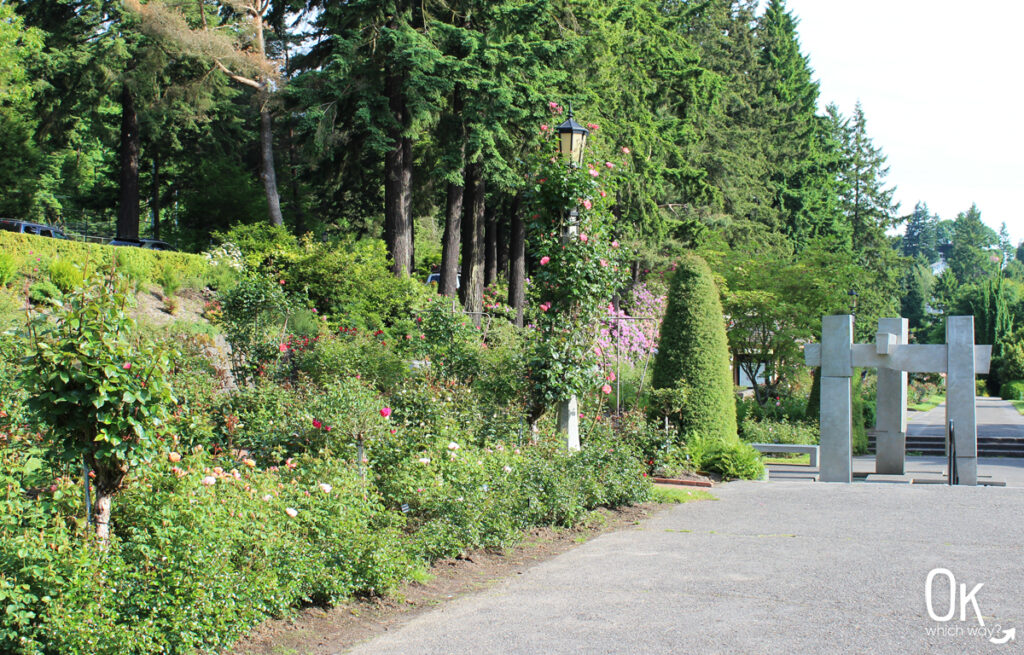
569, 422
960, 395
836, 407
891, 412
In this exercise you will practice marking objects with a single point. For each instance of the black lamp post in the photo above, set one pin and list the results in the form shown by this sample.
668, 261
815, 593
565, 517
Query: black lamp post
572, 139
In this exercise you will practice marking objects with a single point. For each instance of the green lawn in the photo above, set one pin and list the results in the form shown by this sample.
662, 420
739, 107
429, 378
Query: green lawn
664, 493
1019, 404
931, 402
794, 458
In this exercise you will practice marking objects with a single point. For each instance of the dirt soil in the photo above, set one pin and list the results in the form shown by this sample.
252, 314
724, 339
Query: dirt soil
331, 631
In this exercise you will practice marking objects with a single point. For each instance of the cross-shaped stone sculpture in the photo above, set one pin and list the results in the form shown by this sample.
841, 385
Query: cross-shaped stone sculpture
837, 356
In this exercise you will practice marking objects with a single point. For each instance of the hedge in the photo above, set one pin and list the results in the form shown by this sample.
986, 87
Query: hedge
694, 354
36, 252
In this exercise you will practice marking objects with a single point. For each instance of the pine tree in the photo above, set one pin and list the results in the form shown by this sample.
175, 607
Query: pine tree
971, 258
919, 238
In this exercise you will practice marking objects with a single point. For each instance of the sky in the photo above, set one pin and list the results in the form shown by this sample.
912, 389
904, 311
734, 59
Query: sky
942, 87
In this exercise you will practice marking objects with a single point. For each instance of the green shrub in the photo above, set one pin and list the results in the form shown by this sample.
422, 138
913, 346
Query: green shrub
769, 431
694, 353
259, 242
44, 292
350, 353
138, 262
255, 314
353, 283
65, 275
730, 459
1013, 390
168, 279
9, 266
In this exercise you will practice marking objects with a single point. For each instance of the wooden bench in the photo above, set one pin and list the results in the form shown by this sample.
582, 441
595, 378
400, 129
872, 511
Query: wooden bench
789, 448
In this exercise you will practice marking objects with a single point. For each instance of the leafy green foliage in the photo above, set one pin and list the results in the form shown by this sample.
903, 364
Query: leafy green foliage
254, 318
65, 275
694, 353
578, 271
100, 389
9, 265
1012, 390
733, 460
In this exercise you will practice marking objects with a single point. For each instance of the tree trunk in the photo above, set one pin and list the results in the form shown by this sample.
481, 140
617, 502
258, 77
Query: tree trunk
453, 205
128, 205
517, 261
155, 202
293, 182
503, 236
407, 235
397, 181
473, 246
102, 517
452, 237
491, 247
267, 172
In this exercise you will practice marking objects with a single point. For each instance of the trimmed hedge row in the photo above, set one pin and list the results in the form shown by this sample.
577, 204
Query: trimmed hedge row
29, 250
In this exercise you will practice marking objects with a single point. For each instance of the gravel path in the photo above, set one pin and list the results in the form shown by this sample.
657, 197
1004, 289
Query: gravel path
768, 568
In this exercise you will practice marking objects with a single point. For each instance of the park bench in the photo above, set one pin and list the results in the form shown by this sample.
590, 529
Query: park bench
789, 448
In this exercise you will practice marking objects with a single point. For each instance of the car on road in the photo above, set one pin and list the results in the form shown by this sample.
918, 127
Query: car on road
435, 278
27, 227
146, 244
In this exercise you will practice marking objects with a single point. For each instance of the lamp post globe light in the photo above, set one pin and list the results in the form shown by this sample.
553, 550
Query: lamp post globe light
572, 139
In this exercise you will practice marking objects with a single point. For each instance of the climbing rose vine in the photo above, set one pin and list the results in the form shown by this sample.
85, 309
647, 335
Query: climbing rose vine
578, 272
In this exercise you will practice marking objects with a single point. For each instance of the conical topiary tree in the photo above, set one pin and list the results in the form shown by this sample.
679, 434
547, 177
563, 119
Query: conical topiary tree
694, 354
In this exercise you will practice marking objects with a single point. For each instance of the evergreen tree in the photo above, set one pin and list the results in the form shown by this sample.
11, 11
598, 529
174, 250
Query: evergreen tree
919, 238
972, 256
694, 355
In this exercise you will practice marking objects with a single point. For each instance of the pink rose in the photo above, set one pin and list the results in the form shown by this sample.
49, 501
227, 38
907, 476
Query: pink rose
291, 511
209, 480
625, 150
584, 238
615, 244
587, 204
593, 172
173, 457
385, 412
606, 389
543, 128
608, 164
127, 366
544, 260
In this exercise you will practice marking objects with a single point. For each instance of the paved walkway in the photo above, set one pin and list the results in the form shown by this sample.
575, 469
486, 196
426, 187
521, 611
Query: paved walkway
768, 568
995, 416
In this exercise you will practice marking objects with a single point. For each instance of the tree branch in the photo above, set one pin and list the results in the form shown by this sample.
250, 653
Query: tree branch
236, 77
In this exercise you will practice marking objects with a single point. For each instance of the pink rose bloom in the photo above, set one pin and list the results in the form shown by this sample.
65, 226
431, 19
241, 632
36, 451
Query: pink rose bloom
615, 244
593, 172
544, 260
587, 204
604, 263
173, 457
209, 480
281, 281
543, 128
545, 306
584, 238
127, 366
385, 412
283, 347
603, 193
611, 376
606, 389
625, 150
317, 424
291, 511
608, 164
326, 488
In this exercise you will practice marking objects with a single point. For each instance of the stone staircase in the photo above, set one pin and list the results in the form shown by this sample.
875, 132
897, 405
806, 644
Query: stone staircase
936, 445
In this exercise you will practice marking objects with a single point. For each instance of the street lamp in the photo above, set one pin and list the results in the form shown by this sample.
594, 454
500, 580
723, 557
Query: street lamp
572, 139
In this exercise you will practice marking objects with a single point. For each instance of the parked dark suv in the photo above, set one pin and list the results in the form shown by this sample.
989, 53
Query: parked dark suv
148, 244
25, 227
